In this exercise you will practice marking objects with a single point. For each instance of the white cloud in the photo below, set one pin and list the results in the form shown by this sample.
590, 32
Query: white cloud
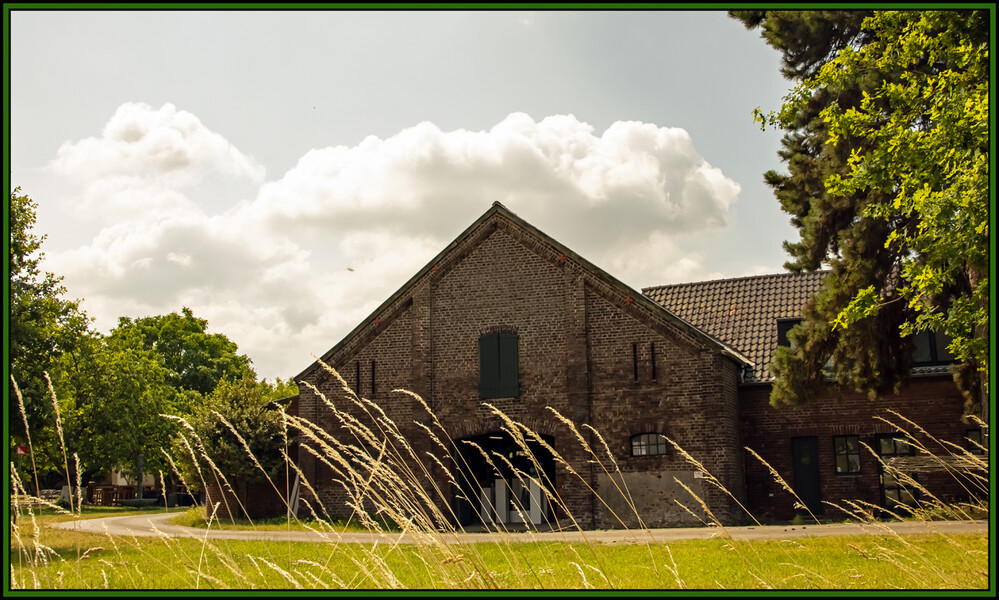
653, 261
129, 196
165, 142
430, 182
292, 270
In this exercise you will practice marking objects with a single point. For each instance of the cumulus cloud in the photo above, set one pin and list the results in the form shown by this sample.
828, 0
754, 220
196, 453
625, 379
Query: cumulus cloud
144, 157
618, 198
290, 270
423, 178
139, 139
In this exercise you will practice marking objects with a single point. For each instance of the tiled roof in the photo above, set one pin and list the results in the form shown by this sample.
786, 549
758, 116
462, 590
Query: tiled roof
741, 312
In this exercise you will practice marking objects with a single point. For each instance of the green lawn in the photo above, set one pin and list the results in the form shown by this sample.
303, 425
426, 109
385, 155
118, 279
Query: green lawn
57, 559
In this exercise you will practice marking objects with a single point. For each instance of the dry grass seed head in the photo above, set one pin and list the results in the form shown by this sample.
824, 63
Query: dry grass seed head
674, 569
287, 576
27, 432
62, 441
335, 374
714, 520
582, 575
572, 427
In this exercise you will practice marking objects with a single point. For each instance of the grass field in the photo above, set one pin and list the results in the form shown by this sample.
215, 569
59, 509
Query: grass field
42, 557
57, 559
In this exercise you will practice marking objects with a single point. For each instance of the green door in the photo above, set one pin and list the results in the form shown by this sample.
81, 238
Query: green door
805, 455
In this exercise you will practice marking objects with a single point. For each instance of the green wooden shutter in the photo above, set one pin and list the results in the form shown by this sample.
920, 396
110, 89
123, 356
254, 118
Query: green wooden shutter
509, 365
489, 380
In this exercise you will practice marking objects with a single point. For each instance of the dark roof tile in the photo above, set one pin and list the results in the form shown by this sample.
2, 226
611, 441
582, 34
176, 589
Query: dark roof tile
741, 312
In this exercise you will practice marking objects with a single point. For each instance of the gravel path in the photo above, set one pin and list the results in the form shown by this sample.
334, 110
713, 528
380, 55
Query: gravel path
158, 524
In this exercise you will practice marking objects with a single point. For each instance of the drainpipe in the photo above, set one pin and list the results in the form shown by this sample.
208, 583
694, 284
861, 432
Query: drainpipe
430, 342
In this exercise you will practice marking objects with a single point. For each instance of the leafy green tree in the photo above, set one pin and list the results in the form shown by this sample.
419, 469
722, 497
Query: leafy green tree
116, 407
43, 326
257, 420
279, 390
197, 360
143, 369
116, 389
887, 151
927, 138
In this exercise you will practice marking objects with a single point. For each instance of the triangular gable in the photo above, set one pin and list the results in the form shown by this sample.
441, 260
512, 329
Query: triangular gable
497, 214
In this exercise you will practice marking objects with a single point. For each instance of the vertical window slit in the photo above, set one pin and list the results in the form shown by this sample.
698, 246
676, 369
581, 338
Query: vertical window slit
652, 359
357, 377
372, 378
634, 360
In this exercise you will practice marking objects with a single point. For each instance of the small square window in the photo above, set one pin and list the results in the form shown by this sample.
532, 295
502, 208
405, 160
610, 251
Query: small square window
783, 327
647, 444
931, 348
846, 448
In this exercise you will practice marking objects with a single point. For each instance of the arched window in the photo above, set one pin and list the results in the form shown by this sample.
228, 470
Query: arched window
647, 444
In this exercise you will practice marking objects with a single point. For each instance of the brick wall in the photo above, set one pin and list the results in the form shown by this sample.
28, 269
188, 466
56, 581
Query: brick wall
692, 401
933, 404
256, 500
576, 331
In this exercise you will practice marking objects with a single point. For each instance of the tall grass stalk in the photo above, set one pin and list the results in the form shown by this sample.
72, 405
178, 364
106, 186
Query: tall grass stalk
62, 441
385, 478
27, 430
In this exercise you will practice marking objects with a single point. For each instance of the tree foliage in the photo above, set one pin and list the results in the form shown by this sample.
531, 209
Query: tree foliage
887, 146
43, 326
143, 369
254, 417
279, 390
114, 403
196, 360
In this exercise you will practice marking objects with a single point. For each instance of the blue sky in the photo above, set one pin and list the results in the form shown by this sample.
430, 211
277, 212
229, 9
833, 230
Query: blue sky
283, 173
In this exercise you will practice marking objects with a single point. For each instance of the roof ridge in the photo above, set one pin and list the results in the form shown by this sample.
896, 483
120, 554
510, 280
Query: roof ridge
743, 278
498, 211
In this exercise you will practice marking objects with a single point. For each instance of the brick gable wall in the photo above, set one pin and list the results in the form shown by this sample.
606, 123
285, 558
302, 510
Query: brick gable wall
575, 347
579, 333
692, 401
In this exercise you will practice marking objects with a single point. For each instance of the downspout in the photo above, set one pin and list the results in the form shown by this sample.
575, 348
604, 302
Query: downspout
593, 476
430, 344
589, 398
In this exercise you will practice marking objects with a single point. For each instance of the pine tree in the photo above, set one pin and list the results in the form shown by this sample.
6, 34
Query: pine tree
866, 83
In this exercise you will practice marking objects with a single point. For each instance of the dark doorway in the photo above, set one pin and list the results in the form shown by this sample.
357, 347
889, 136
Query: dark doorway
500, 481
805, 455
894, 495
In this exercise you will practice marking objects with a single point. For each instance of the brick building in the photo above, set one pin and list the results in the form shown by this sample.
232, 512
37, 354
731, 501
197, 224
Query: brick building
508, 320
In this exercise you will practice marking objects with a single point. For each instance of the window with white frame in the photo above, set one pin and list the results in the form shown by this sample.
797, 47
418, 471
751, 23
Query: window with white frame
648, 444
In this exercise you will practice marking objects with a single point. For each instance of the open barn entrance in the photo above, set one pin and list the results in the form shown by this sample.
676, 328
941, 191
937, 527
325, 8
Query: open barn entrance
500, 482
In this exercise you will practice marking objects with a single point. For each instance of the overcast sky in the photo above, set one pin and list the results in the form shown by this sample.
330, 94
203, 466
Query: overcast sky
283, 173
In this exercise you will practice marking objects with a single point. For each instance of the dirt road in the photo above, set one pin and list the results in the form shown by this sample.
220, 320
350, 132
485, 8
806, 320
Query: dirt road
153, 524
